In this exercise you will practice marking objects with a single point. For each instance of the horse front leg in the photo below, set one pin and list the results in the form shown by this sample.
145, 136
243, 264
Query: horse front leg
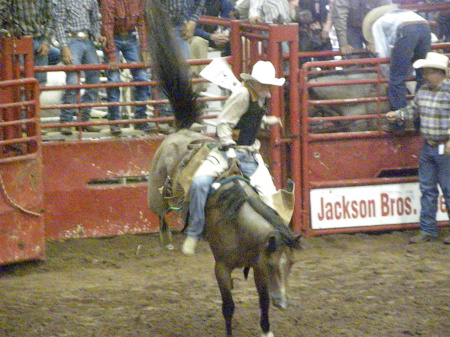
165, 234
223, 276
264, 303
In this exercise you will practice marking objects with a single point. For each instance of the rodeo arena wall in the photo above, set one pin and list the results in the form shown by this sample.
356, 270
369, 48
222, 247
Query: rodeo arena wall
351, 175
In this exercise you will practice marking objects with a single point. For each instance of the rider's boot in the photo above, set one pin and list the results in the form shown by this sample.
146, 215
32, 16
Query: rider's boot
189, 245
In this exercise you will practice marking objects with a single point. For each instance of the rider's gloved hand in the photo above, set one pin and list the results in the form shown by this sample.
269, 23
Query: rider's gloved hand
231, 155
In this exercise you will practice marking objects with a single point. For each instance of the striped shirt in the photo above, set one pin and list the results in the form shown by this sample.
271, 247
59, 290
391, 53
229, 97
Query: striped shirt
72, 16
433, 107
270, 11
27, 17
182, 11
119, 16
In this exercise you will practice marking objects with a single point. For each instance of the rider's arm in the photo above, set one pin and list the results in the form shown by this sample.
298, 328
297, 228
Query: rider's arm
235, 106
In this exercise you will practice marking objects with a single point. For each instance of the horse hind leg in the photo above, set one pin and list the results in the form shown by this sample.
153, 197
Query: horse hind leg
165, 234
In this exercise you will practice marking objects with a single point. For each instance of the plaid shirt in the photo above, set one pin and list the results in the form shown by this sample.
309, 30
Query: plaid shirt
27, 17
72, 16
182, 11
434, 110
120, 16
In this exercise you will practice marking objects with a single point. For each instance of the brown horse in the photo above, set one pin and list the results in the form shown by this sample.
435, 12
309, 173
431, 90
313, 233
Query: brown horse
242, 231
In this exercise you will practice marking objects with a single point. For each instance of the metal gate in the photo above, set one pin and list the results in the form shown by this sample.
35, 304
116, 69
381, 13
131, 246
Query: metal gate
21, 188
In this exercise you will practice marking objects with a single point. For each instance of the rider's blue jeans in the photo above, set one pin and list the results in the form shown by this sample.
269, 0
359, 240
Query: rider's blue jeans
434, 169
200, 187
83, 52
413, 43
131, 51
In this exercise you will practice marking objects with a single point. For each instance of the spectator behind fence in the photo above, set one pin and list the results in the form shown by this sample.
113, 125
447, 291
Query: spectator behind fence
77, 24
405, 37
122, 21
207, 35
217, 37
432, 104
314, 20
184, 16
347, 17
32, 18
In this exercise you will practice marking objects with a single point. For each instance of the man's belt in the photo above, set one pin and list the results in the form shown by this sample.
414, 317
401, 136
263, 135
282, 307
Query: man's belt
431, 142
81, 35
421, 22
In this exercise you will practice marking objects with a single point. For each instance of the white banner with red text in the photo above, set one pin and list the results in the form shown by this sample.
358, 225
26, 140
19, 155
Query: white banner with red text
370, 205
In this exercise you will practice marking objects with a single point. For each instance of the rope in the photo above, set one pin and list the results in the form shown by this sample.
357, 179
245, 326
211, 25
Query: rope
14, 203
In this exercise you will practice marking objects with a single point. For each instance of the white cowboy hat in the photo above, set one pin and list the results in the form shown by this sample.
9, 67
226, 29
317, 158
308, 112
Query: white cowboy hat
373, 16
264, 72
433, 60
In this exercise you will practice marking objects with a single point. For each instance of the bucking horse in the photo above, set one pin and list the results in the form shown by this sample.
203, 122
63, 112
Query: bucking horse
242, 231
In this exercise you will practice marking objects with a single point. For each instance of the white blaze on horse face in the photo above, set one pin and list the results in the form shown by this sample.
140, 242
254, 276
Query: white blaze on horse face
279, 273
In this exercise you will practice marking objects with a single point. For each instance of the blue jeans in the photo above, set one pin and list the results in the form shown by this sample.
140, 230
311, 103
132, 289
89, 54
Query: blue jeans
413, 43
39, 60
434, 169
198, 194
131, 51
355, 39
83, 52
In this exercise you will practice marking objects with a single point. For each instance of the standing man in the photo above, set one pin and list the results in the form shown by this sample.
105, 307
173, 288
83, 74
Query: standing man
122, 21
347, 17
405, 37
432, 104
77, 24
32, 18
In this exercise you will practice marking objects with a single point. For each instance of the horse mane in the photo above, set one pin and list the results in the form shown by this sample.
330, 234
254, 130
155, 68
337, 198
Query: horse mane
235, 196
169, 65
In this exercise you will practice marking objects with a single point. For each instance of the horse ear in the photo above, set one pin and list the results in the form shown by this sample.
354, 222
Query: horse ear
272, 244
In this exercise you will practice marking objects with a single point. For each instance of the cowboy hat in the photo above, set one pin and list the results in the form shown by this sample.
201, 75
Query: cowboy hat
264, 73
373, 16
433, 60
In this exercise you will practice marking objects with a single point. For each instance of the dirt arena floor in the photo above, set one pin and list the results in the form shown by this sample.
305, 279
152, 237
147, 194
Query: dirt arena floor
352, 285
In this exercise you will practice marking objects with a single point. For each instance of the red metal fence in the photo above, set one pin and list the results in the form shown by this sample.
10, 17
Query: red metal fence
21, 188
96, 185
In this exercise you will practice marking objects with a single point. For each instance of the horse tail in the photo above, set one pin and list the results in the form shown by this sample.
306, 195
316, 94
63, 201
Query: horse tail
169, 65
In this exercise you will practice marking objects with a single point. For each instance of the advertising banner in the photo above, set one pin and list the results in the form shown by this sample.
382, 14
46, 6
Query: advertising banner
373, 205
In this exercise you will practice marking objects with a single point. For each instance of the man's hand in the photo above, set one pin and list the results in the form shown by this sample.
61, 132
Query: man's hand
43, 49
102, 40
67, 57
346, 49
189, 28
220, 39
273, 120
255, 20
146, 58
114, 65
392, 115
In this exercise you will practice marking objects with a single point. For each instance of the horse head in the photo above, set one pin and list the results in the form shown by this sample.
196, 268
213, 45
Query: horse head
276, 264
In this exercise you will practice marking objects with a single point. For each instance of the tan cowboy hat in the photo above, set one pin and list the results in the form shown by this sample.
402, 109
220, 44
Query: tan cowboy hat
433, 60
373, 16
264, 72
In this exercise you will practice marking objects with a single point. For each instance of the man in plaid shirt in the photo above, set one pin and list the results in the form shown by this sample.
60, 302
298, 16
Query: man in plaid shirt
31, 18
77, 24
121, 21
432, 104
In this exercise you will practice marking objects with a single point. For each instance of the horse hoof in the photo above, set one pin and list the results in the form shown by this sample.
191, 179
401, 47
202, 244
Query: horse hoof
170, 247
267, 334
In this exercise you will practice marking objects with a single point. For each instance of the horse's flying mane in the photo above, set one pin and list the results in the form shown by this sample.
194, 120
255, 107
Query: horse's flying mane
169, 65
233, 197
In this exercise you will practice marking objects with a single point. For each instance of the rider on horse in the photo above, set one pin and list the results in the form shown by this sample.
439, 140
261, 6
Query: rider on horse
245, 110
